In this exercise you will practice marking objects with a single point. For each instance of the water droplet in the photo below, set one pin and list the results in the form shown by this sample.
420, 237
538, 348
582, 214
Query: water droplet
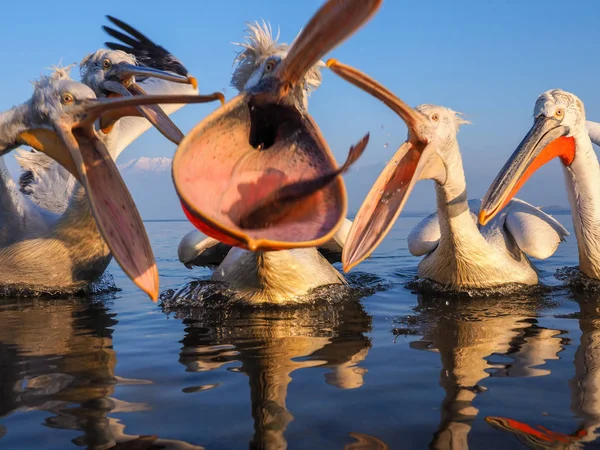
389, 134
385, 145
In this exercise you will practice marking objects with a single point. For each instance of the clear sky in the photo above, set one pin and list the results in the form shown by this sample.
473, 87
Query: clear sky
489, 60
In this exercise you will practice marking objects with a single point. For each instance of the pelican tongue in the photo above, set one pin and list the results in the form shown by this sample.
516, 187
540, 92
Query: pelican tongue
113, 208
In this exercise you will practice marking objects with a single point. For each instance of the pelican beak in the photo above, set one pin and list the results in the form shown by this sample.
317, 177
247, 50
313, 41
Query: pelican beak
414, 160
335, 22
77, 147
153, 113
257, 173
545, 141
125, 73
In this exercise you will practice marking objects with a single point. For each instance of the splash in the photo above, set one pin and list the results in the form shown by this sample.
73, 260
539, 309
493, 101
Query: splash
576, 280
426, 286
103, 285
208, 294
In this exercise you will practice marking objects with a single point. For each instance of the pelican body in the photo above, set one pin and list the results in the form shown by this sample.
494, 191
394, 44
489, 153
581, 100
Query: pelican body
559, 131
283, 276
49, 240
459, 255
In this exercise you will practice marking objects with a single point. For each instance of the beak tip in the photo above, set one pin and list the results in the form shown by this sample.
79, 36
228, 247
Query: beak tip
221, 98
193, 82
330, 62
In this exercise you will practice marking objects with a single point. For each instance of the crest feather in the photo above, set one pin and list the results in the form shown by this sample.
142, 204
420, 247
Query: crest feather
259, 45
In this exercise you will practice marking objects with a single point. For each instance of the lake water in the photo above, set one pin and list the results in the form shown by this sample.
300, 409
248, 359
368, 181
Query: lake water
390, 370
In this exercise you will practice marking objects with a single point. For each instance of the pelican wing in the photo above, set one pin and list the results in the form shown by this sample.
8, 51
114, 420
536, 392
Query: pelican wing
332, 250
424, 238
593, 129
19, 217
145, 51
195, 249
536, 233
47, 184
152, 55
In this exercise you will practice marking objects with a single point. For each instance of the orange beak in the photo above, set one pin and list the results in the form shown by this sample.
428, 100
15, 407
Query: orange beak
545, 141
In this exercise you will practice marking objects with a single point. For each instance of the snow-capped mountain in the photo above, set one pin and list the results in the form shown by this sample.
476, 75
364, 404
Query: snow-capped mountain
150, 184
143, 164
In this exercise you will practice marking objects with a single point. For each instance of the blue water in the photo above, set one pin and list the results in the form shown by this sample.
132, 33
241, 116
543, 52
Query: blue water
390, 370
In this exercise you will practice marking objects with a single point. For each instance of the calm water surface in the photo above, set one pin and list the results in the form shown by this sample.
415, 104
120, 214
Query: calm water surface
392, 370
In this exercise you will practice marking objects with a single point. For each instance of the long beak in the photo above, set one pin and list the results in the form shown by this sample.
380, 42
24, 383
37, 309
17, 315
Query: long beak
123, 71
77, 147
109, 110
544, 142
336, 21
113, 208
387, 197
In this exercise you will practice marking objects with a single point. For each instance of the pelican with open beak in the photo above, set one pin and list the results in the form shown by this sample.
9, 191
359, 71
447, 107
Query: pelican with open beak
59, 120
559, 131
458, 254
257, 174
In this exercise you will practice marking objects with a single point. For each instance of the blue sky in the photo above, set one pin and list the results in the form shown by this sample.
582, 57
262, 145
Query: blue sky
489, 60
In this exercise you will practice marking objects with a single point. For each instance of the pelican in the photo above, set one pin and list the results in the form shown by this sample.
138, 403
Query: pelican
270, 256
45, 254
54, 192
275, 276
559, 130
458, 254
138, 68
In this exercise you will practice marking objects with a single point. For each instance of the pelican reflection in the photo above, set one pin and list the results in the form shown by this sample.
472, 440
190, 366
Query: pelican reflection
584, 387
270, 344
57, 356
476, 340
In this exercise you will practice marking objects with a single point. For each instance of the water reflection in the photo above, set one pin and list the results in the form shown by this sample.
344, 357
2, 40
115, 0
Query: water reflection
477, 339
270, 345
584, 386
57, 356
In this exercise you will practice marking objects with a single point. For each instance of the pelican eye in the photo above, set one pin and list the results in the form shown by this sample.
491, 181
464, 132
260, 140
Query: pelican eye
67, 98
435, 117
106, 64
559, 113
271, 63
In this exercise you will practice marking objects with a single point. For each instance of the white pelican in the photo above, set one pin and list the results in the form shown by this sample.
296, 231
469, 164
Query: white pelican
273, 182
41, 254
459, 255
260, 141
273, 276
74, 234
559, 130
109, 73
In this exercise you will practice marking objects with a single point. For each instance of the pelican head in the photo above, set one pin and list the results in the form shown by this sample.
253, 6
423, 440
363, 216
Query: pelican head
428, 153
261, 56
559, 118
61, 123
110, 71
257, 173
